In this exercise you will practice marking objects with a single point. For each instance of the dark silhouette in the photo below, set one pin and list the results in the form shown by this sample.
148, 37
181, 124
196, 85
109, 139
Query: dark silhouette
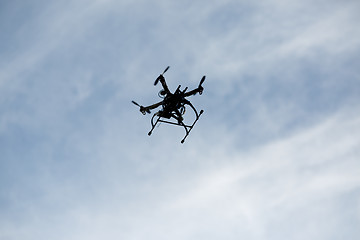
173, 105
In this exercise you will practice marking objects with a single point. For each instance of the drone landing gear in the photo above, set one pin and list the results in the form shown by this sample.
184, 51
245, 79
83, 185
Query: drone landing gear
187, 128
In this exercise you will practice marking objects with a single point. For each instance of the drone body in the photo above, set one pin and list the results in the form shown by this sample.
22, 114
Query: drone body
173, 106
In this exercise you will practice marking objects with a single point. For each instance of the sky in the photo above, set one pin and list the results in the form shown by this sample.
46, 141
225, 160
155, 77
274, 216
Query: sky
274, 156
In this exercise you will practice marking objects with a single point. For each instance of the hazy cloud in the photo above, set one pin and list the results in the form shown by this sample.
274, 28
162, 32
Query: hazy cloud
273, 157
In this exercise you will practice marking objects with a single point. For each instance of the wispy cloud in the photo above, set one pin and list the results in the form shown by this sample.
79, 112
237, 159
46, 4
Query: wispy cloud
256, 194
273, 157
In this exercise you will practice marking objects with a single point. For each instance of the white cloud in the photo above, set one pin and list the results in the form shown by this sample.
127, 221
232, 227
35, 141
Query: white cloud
79, 163
254, 194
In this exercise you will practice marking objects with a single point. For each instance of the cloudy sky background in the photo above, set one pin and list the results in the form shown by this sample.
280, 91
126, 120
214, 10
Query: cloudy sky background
274, 156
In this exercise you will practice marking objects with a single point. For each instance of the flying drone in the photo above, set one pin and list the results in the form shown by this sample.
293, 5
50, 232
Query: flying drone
173, 106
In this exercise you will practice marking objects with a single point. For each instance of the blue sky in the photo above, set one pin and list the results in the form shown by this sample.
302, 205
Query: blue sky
274, 156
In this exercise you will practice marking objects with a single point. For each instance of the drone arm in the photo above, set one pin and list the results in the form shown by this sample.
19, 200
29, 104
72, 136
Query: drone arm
199, 89
193, 92
154, 106
164, 85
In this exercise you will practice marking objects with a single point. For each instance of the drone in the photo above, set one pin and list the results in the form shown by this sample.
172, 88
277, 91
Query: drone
173, 106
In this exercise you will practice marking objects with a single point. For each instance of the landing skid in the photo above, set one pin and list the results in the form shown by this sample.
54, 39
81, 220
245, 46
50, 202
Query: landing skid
187, 128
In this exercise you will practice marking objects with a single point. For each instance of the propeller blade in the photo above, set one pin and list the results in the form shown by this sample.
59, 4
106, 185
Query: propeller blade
167, 68
202, 80
201, 89
136, 103
158, 78
156, 81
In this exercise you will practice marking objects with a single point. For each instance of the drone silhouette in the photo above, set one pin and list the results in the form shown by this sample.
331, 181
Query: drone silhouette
173, 105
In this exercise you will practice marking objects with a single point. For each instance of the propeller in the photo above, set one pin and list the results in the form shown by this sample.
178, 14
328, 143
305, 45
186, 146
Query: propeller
167, 68
142, 109
201, 89
202, 80
161, 75
136, 103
